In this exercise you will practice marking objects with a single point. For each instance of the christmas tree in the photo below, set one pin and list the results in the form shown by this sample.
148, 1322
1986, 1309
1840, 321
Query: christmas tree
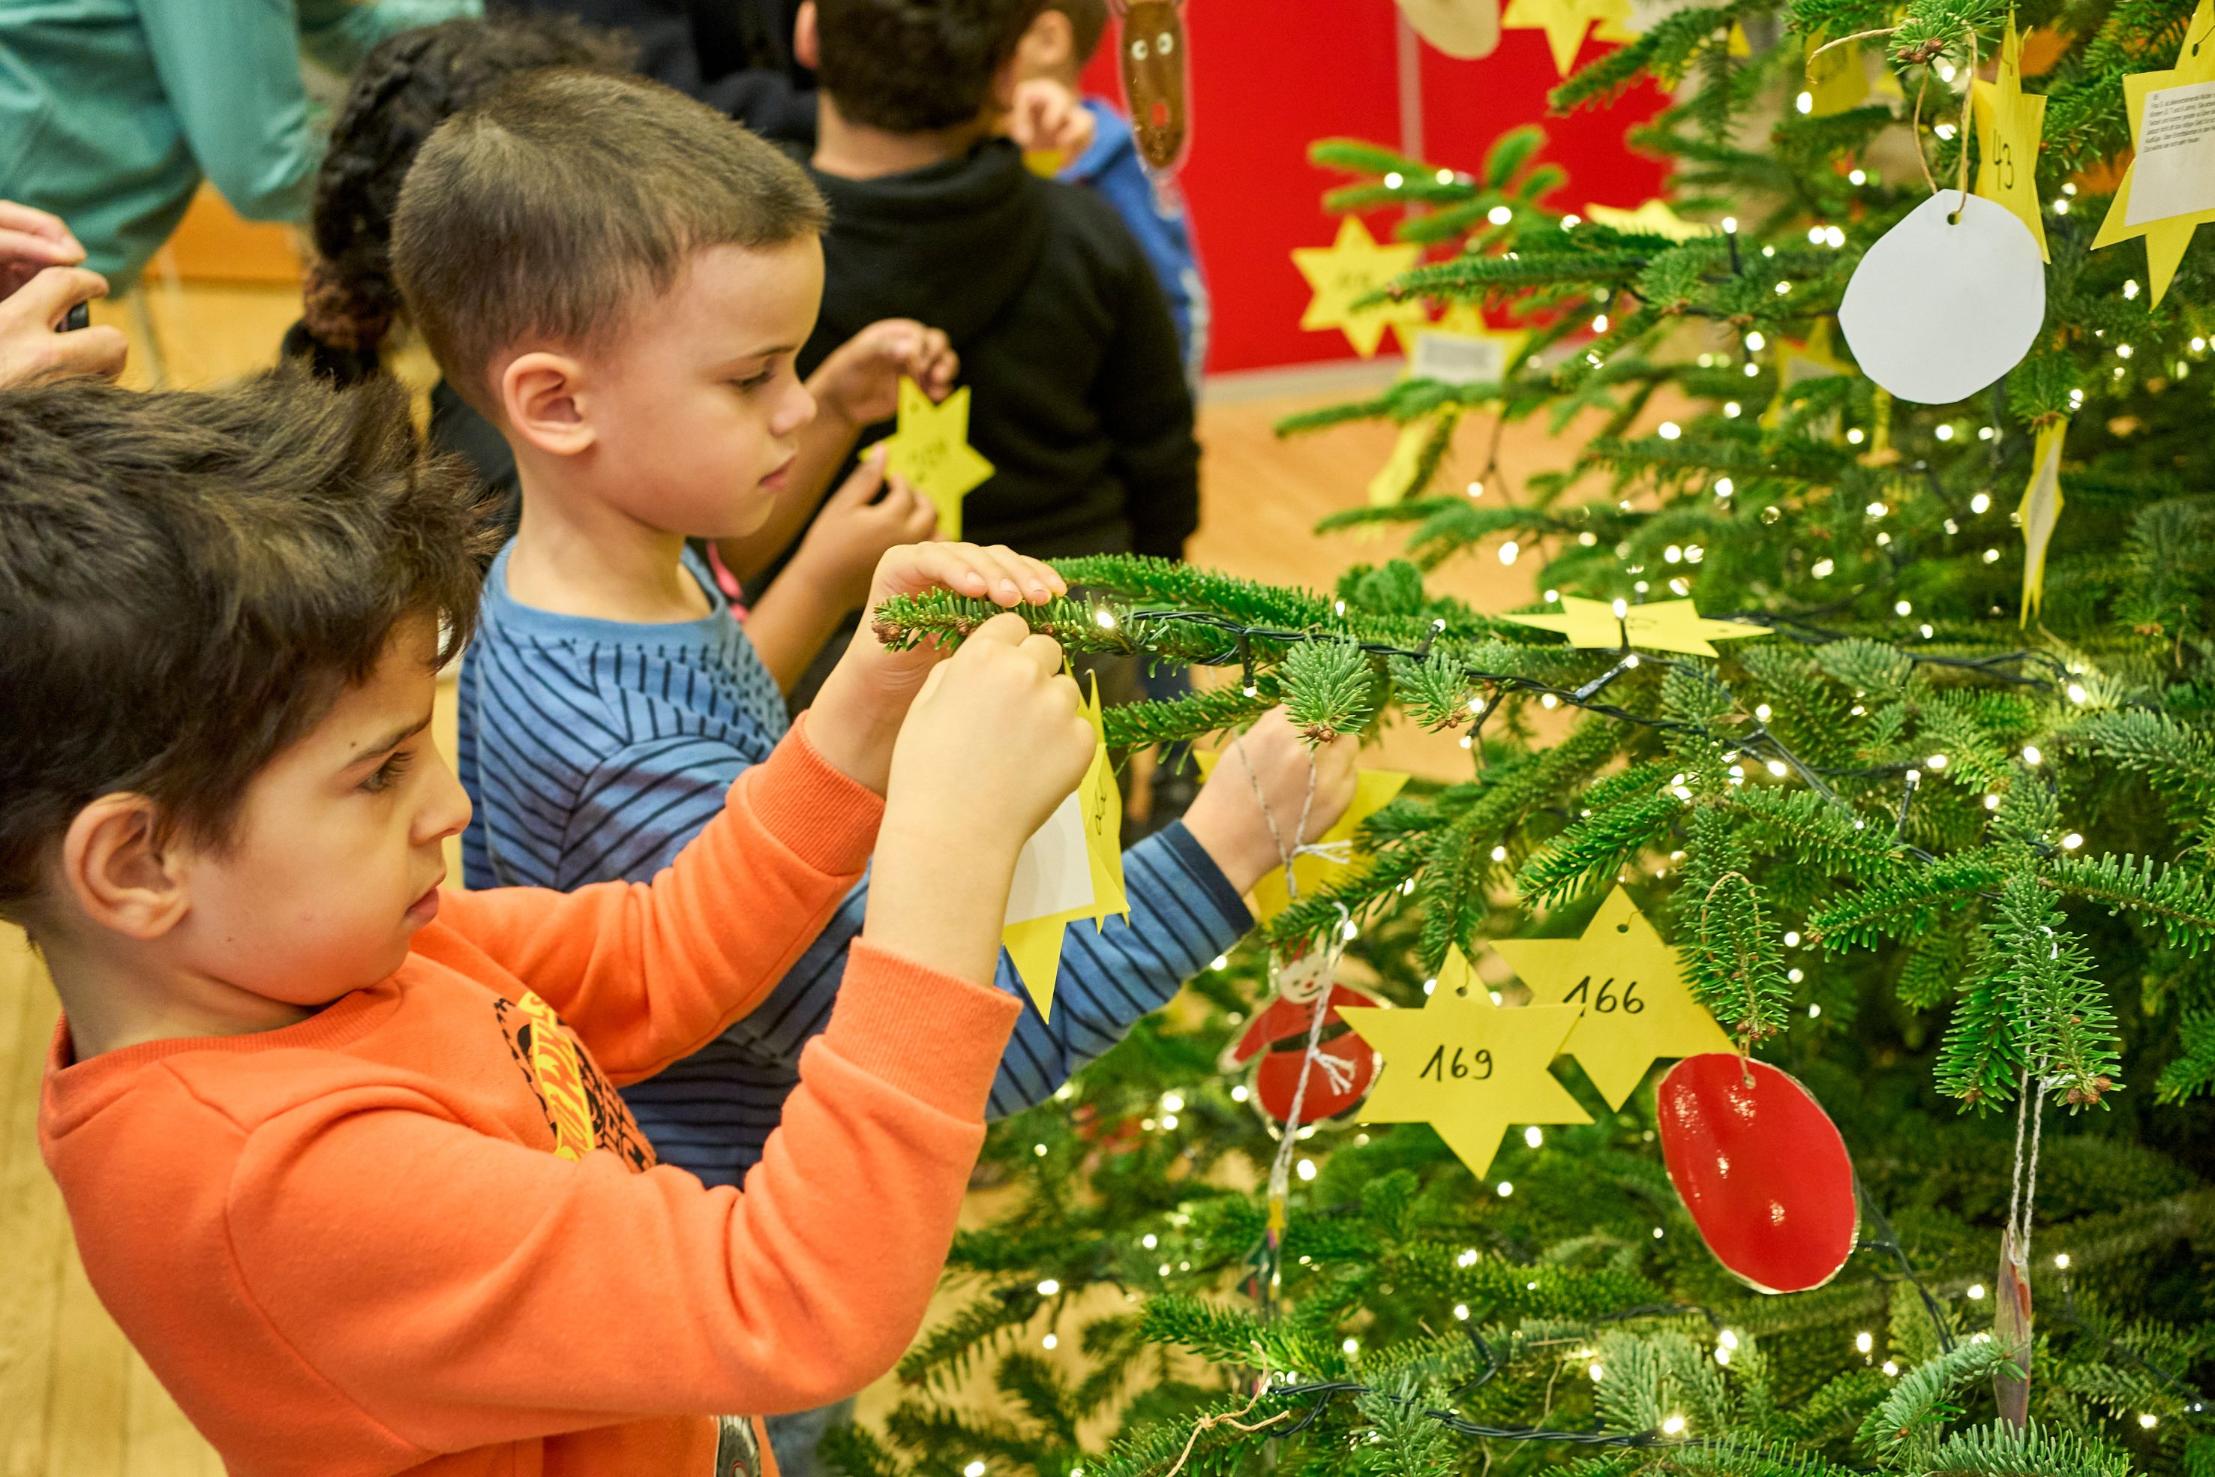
1918, 803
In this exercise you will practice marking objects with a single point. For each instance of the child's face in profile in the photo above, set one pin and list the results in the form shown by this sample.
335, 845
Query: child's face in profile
337, 850
697, 407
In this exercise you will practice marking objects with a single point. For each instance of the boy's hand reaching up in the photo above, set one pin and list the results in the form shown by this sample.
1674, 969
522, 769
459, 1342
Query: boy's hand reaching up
859, 384
1227, 817
856, 528
1049, 118
993, 744
868, 692
998, 574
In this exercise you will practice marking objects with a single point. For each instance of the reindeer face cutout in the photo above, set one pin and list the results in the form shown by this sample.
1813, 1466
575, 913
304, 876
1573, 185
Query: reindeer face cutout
1154, 78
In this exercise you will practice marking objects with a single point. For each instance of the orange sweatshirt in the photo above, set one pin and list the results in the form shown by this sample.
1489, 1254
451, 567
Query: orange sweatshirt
418, 1232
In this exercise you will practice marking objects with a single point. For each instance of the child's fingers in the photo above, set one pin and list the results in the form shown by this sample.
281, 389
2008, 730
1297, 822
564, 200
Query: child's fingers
864, 482
918, 518
1040, 582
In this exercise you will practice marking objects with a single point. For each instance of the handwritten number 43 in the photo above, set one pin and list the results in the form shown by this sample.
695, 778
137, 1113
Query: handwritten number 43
1606, 1000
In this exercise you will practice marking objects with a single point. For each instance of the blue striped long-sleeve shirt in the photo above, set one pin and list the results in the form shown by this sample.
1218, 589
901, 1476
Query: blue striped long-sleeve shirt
595, 750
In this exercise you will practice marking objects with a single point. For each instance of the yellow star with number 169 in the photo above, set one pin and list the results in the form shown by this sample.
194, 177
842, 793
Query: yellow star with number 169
1349, 269
2009, 122
1633, 1002
2168, 234
930, 451
1661, 625
1465, 1066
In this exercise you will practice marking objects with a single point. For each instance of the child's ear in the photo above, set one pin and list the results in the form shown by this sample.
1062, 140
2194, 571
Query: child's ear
807, 42
121, 870
542, 401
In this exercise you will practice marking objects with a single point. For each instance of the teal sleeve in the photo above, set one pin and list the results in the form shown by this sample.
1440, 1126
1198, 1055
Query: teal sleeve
339, 33
231, 73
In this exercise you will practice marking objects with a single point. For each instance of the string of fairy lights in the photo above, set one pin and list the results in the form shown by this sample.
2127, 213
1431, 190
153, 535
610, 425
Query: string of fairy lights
2072, 680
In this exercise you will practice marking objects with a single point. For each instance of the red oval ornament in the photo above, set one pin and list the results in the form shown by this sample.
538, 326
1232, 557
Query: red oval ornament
1761, 1168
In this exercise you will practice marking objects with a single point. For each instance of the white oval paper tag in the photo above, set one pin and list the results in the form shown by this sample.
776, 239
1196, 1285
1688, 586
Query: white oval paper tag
1460, 28
1939, 309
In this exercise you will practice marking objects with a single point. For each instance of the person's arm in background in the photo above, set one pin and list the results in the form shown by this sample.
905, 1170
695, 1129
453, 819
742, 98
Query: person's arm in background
337, 34
1145, 410
1184, 884
232, 76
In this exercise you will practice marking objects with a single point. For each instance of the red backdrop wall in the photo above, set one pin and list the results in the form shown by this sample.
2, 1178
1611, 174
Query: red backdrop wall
1267, 79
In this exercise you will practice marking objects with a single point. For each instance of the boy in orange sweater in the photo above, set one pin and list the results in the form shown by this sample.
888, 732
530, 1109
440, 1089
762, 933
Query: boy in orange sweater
342, 1152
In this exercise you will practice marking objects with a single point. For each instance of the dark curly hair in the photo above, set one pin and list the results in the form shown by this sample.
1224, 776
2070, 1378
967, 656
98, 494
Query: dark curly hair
408, 85
189, 578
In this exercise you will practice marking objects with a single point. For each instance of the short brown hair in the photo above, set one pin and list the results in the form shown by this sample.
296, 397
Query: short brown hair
547, 207
1087, 24
189, 579
911, 66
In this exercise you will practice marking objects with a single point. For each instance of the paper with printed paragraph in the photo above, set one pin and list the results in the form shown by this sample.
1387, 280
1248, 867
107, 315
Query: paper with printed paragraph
2175, 169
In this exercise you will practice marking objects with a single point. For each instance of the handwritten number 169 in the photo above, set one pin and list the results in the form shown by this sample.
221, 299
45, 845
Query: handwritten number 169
1464, 1064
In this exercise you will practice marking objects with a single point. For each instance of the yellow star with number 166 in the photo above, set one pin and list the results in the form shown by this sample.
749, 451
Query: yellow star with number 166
1661, 625
2167, 235
1465, 1066
1633, 1002
2009, 122
1348, 270
931, 452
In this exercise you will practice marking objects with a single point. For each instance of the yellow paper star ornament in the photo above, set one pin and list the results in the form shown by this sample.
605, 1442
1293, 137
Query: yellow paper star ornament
1374, 789
2169, 190
1661, 625
1634, 1005
2040, 511
1396, 479
1810, 359
1652, 218
1070, 870
930, 450
1349, 269
1461, 349
1465, 1066
1835, 80
2009, 124
1564, 22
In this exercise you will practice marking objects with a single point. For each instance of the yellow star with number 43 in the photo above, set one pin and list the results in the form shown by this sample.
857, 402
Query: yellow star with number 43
2168, 202
1465, 1066
1661, 625
1348, 270
1634, 1005
930, 451
2009, 123
1374, 789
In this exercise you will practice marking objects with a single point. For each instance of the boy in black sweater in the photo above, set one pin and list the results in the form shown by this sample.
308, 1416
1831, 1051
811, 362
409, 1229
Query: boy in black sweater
1080, 401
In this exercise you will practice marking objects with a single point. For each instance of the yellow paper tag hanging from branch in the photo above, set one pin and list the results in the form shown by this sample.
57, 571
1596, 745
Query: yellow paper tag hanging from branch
930, 450
2169, 190
2009, 123
1349, 269
1467, 1067
1635, 1007
2039, 512
1660, 625
1069, 871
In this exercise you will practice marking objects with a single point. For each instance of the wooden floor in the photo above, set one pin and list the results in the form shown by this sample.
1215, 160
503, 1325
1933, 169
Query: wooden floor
74, 1401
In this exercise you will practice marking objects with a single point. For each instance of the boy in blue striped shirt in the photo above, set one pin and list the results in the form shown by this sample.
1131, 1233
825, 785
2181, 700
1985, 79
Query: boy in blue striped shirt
610, 699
